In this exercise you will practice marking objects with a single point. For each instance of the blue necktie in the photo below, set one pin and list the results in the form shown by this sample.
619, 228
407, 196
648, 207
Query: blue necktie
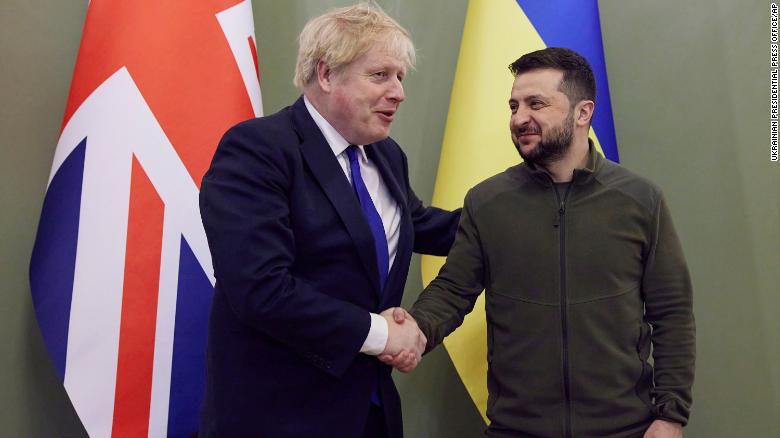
371, 214
377, 230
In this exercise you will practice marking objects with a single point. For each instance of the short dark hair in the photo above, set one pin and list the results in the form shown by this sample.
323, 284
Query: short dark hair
578, 82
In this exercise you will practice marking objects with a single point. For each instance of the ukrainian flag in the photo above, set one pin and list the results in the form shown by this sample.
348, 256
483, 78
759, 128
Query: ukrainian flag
477, 143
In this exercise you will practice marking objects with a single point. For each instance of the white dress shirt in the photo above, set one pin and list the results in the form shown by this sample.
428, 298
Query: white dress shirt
388, 209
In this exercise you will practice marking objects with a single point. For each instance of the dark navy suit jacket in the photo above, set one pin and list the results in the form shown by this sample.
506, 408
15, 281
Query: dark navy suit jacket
296, 277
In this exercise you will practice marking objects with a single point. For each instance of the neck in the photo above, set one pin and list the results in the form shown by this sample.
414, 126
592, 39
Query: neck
576, 157
315, 99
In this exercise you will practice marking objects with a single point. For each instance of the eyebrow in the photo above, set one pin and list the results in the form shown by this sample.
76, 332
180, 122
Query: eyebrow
535, 96
530, 97
386, 65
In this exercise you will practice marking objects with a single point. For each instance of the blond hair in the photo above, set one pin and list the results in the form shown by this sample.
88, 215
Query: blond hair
342, 35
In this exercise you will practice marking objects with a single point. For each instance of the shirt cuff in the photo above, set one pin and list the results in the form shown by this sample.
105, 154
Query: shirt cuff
377, 336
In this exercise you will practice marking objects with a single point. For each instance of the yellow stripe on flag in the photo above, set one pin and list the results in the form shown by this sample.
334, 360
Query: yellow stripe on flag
476, 146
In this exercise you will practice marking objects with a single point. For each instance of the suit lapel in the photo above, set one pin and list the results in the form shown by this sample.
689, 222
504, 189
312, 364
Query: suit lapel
328, 173
375, 154
405, 235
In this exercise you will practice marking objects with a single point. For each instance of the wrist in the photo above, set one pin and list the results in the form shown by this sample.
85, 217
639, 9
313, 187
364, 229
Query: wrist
377, 337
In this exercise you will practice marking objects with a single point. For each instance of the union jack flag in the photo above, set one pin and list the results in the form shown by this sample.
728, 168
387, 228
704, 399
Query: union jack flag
121, 275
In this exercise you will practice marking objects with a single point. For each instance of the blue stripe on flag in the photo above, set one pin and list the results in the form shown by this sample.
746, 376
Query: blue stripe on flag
575, 24
188, 368
53, 261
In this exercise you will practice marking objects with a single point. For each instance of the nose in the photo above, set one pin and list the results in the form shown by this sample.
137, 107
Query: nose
396, 91
519, 118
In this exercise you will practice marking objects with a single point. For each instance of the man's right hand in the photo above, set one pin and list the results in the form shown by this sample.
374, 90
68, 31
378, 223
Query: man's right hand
405, 341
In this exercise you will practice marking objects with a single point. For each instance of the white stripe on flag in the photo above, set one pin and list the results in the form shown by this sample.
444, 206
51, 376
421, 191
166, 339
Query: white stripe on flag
238, 26
166, 321
93, 336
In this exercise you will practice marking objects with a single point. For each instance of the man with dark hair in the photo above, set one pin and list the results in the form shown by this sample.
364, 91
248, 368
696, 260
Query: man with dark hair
578, 82
583, 274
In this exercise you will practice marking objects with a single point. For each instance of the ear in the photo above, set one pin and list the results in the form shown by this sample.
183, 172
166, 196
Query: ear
584, 112
324, 76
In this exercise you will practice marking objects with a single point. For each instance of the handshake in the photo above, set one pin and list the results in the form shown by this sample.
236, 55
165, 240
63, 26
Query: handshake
405, 341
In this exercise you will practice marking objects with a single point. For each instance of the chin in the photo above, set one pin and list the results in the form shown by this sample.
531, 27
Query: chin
379, 135
526, 149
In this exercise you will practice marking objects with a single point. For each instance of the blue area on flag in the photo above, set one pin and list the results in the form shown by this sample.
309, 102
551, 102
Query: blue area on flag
575, 24
53, 261
188, 368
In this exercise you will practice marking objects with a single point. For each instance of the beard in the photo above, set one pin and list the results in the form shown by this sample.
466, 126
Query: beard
552, 145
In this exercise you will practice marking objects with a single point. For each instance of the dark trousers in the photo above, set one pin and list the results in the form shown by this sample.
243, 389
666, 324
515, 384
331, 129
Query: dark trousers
375, 426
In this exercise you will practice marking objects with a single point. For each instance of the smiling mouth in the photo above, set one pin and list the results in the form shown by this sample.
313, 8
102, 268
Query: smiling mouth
386, 115
527, 134
525, 138
526, 130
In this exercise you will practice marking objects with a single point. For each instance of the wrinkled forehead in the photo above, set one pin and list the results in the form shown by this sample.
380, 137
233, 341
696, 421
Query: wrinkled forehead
392, 46
379, 57
544, 82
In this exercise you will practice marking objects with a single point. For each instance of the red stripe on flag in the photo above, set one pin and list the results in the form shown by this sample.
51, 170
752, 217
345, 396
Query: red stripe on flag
178, 56
139, 308
253, 51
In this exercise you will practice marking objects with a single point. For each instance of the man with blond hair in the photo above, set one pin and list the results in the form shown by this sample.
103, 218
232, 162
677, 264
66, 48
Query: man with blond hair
311, 224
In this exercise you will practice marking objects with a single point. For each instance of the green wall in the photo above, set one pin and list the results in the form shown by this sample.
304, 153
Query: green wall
689, 83
38, 45
690, 90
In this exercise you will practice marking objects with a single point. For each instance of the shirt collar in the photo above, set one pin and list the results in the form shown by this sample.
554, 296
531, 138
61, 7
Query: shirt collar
337, 143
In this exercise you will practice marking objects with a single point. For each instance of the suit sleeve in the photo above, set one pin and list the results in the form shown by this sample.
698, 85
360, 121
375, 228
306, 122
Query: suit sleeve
245, 212
434, 228
668, 295
441, 307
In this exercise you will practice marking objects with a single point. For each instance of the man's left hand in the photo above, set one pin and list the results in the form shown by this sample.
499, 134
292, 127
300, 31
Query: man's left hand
664, 429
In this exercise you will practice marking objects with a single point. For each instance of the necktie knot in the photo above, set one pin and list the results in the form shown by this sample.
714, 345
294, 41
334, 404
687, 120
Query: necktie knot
352, 151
